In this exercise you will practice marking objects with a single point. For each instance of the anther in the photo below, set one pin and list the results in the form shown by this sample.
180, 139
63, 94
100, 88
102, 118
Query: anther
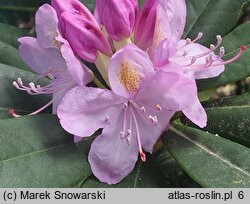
15, 84
128, 133
153, 119
107, 118
129, 140
39, 88
222, 52
185, 53
200, 35
122, 135
193, 60
19, 81
158, 107
33, 87
219, 39
143, 109
126, 105
188, 41
212, 47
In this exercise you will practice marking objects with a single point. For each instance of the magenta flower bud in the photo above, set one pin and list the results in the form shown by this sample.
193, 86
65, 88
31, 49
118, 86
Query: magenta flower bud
72, 6
118, 17
84, 36
144, 30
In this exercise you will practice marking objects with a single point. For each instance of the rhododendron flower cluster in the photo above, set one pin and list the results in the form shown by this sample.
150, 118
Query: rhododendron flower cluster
149, 71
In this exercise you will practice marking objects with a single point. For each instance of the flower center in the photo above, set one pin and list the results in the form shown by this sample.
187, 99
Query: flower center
56, 43
129, 77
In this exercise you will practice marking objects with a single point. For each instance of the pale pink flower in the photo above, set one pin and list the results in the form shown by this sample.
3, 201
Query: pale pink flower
133, 115
50, 56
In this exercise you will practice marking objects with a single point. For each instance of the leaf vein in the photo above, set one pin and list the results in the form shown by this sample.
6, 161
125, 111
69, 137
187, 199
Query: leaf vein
210, 152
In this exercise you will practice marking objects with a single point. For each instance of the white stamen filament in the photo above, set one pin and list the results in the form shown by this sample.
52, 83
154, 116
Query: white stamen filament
60, 82
138, 136
211, 60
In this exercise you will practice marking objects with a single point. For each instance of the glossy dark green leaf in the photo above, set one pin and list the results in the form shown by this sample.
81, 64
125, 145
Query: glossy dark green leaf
10, 56
90, 4
36, 152
144, 175
174, 175
11, 98
9, 34
230, 118
140, 2
212, 17
238, 69
210, 160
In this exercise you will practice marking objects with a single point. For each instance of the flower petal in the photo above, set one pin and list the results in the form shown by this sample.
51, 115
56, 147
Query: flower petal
79, 71
112, 158
84, 36
196, 70
145, 24
150, 133
171, 91
74, 7
58, 96
38, 58
47, 26
130, 69
77, 139
161, 53
170, 20
84, 110
118, 17
197, 114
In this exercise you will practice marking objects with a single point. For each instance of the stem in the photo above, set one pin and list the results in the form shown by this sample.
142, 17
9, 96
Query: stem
18, 8
98, 83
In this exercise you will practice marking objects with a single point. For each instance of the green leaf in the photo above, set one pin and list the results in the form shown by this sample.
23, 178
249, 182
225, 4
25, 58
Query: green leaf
237, 70
174, 176
90, 4
9, 34
140, 2
212, 17
10, 56
36, 152
210, 160
144, 175
19, 100
230, 118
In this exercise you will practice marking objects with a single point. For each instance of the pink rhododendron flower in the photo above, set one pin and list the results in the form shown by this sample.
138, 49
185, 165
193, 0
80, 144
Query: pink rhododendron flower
74, 7
84, 36
133, 114
149, 71
118, 17
171, 54
51, 56
159, 19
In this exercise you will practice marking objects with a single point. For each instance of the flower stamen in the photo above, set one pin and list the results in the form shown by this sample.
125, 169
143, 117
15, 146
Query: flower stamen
138, 136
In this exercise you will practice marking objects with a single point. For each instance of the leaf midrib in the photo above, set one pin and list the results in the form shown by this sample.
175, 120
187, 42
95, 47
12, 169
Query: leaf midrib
18, 110
34, 153
210, 152
227, 107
